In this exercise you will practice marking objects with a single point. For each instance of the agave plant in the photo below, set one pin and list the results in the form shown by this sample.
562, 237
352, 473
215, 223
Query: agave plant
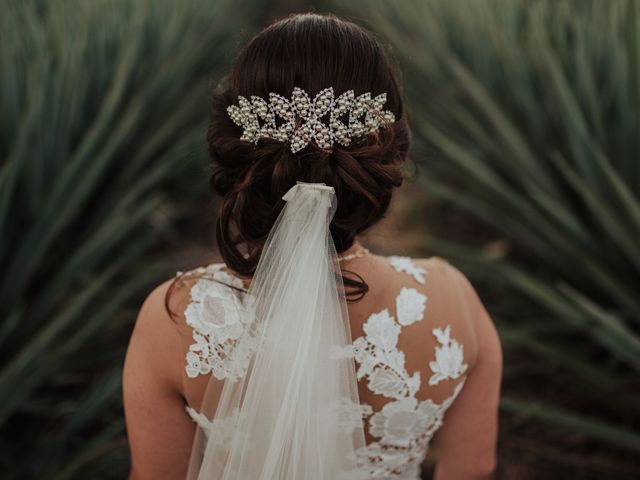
103, 108
526, 117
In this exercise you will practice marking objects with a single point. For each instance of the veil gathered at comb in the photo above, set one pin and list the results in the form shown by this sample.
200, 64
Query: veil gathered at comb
279, 420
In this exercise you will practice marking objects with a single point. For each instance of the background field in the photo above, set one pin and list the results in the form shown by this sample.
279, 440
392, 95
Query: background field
525, 117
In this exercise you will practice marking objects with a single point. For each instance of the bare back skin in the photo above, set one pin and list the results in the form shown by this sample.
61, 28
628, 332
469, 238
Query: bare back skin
437, 313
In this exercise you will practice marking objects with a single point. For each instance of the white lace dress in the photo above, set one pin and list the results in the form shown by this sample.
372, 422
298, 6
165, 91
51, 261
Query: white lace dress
402, 428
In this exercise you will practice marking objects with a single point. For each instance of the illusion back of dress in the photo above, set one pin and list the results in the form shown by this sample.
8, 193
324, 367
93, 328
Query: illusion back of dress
412, 340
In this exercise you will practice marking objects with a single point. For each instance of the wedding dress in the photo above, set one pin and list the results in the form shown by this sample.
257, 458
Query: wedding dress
408, 349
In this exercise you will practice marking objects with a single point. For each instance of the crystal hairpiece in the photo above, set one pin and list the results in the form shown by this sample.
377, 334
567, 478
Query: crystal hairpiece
302, 118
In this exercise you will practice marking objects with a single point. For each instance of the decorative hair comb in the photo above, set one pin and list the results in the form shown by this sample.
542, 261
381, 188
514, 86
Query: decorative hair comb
302, 118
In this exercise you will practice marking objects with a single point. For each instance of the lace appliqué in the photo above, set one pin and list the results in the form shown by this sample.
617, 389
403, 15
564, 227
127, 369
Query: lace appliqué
201, 420
404, 426
219, 316
224, 431
406, 265
350, 414
449, 357
410, 306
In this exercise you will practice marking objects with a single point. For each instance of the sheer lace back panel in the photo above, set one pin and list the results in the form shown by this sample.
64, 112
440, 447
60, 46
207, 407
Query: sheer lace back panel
413, 344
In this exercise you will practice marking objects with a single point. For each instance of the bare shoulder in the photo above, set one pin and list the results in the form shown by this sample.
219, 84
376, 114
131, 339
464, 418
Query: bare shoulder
155, 347
432, 262
485, 331
162, 309
158, 428
154, 305
480, 321
442, 265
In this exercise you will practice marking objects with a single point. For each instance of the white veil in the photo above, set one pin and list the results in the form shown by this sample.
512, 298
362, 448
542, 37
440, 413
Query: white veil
281, 419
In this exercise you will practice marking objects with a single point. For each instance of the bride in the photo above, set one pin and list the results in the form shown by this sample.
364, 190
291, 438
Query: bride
303, 355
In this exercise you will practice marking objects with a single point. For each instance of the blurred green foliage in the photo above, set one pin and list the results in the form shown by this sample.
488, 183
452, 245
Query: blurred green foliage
103, 109
526, 116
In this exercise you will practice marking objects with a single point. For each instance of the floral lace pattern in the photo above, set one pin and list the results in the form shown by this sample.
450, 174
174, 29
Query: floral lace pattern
201, 420
218, 316
403, 427
405, 264
410, 306
224, 428
448, 362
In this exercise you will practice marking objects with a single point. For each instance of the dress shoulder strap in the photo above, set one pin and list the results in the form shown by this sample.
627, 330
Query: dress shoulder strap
217, 315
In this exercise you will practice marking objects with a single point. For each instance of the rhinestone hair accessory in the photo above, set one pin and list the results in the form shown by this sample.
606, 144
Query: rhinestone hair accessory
325, 119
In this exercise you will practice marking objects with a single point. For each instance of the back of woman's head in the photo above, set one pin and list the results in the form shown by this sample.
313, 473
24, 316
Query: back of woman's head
312, 52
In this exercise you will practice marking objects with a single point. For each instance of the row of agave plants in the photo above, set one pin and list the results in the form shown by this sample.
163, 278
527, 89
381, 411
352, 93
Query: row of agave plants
526, 118
103, 110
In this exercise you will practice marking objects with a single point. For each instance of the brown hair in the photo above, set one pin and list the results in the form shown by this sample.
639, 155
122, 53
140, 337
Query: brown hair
311, 51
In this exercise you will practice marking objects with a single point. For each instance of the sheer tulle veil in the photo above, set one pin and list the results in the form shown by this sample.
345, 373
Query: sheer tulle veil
281, 419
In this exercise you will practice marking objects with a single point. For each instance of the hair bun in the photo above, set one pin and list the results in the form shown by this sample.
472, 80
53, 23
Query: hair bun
251, 178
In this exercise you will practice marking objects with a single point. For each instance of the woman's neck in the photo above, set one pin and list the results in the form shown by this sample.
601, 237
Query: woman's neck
355, 247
